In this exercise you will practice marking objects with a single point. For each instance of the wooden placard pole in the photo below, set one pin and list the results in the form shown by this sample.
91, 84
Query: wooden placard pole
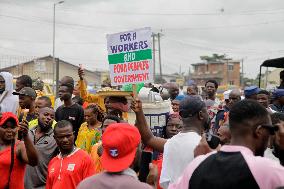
134, 89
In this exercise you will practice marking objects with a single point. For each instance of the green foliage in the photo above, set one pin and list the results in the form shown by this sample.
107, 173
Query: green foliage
215, 57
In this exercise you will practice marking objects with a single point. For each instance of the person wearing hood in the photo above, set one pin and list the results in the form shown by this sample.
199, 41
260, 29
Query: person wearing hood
8, 102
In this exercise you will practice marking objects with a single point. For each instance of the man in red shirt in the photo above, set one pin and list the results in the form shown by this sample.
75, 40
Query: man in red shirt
72, 165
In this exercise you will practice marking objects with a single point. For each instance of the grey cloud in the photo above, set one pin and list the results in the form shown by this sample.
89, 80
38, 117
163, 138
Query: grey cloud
200, 29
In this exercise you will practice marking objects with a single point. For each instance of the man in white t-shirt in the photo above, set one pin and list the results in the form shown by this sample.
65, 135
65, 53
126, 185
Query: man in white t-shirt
178, 150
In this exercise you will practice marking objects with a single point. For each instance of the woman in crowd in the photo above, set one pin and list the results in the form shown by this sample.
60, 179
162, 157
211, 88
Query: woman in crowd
97, 149
14, 155
174, 124
173, 127
90, 132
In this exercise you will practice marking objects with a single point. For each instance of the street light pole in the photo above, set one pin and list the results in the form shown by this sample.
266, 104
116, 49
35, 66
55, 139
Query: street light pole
53, 49
154, 57
242, 83
160, 61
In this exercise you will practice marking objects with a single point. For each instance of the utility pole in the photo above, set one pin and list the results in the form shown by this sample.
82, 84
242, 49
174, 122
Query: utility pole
188, 73
160, 61
227, 71
57, 76
242, 78
154, 57
266, 77
53, 49
53, 45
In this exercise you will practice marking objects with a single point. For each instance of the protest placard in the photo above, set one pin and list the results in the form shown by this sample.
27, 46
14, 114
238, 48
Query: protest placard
130, 57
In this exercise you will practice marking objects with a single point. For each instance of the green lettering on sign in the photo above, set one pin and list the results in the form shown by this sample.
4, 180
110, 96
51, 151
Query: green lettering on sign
130, 56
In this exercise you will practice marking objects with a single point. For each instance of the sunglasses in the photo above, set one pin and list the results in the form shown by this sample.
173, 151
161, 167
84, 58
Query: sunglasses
271, 128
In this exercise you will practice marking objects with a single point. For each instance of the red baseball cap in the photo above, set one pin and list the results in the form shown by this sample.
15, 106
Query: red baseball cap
6, 116
120, 141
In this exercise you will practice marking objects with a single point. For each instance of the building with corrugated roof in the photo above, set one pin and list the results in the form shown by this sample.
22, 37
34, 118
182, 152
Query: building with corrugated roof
43, 68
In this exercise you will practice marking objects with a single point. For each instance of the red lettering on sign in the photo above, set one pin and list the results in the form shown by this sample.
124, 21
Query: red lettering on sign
132, 78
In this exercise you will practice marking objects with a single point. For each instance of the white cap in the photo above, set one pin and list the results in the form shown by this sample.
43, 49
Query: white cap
226, 94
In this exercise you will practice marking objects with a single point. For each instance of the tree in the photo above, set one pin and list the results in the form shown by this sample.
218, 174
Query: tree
214, 58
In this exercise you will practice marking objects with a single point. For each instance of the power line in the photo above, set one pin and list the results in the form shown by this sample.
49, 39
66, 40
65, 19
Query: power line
23, 40
182, 14
226, 27
225, 49
49, 42
82, 43
217, 46
195, 45
71, 58
86, 60
57, 23
191, 13
218, 12
15, 50
167, 29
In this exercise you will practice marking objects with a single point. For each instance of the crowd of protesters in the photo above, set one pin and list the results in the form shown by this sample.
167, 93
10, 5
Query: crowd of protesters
235, 142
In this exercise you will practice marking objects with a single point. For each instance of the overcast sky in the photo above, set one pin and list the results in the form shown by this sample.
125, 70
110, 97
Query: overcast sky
251, 30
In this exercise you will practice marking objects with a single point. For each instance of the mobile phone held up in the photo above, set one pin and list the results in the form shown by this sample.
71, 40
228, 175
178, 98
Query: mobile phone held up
146, 159
212, 140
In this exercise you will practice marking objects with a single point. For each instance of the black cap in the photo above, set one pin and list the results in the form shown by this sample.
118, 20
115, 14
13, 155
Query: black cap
26, 91
190, 105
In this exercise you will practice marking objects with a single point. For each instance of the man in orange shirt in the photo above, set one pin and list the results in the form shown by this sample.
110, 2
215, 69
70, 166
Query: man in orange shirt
72, 165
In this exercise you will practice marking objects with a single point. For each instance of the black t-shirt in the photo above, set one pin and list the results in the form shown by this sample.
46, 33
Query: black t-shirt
74, 114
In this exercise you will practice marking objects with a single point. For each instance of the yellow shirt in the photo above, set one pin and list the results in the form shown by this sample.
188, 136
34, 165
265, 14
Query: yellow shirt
19, 111
96, 158
34, 123
91, 98
39, 93
87, 137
